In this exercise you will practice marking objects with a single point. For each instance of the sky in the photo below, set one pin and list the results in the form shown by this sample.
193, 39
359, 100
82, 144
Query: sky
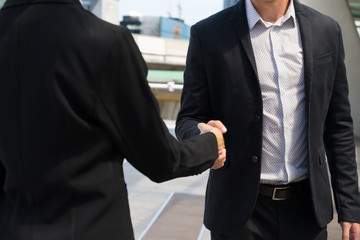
192, 10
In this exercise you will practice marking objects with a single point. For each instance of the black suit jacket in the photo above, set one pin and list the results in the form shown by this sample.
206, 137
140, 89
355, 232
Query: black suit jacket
74, 102
221, 83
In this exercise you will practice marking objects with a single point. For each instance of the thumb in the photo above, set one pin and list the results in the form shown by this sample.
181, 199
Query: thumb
219, 125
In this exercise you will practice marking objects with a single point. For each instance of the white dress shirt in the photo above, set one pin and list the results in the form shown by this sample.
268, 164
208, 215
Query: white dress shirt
279, 59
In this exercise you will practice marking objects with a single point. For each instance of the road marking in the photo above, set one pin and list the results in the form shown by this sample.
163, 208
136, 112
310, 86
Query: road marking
201, 234
156, 216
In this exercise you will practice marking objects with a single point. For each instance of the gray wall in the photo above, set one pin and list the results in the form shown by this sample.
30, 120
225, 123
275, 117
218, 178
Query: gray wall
340, 11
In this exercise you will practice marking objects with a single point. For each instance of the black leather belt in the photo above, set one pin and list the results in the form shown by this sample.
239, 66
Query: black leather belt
284, 192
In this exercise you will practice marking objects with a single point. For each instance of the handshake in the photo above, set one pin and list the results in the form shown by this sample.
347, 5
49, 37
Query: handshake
218, 129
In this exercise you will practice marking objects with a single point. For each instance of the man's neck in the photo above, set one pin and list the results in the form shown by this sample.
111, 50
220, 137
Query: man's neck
271, 10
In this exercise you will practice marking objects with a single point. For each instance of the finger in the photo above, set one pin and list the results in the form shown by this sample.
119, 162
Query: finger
222, 157
222, 152
355, 231
219, 125
203, 127
217, 166
219, 137
220, 161
345, 231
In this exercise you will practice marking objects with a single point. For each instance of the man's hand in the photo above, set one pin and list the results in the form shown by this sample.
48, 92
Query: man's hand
350, 231
213, 127
220, 161
204, 128
218, 124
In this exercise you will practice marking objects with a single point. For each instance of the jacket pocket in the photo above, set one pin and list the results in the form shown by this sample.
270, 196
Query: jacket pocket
323, 58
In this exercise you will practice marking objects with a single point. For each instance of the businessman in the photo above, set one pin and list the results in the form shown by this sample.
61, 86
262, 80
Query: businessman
272, 72
74, 102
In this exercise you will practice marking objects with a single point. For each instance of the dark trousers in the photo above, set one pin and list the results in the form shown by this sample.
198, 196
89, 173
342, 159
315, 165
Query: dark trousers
291, 219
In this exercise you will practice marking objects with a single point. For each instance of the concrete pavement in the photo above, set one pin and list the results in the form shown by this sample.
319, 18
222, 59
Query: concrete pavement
175, 208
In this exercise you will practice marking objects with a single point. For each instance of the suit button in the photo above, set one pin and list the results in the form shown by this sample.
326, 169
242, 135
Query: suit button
255, 159
257, 119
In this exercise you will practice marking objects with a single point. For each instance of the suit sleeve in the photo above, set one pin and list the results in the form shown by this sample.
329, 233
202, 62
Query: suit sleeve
340, 147
195, 102
129, 111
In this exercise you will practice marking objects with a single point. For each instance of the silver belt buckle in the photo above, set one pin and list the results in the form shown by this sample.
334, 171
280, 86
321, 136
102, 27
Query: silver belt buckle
274, 193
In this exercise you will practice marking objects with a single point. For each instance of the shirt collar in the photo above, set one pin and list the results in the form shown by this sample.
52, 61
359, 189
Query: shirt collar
253, 16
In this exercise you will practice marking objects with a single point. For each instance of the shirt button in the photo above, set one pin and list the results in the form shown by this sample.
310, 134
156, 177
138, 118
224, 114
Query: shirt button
255, 159
257, 119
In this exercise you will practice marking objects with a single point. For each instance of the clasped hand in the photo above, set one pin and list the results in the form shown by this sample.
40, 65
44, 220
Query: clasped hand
218, 128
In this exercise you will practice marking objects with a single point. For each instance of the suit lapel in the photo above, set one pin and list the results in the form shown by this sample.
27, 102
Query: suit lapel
241, 27
306, 38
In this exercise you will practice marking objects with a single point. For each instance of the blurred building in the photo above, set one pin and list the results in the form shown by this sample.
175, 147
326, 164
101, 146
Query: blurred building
165, 59
163, 42
229, 3
107, 10
163, 27
355, 10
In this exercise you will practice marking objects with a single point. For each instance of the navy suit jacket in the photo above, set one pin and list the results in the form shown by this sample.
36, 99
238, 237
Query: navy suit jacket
221, 83
74, 102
